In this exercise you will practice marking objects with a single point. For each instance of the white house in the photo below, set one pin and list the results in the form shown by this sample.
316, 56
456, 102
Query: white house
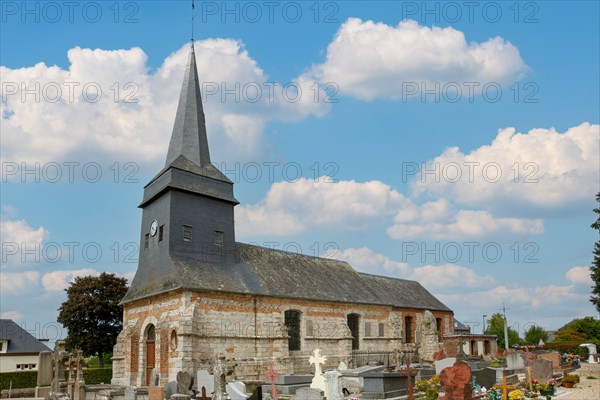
19, 350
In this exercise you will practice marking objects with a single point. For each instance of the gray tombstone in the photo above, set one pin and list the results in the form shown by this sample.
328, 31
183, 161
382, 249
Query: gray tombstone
205, 380
342, 366
444, 363
154, 377
236, 390
514, 361
185, 381
485, 377
130, 393
309, 394
44, 377
180, 397
334, 385
541, 370
170, 389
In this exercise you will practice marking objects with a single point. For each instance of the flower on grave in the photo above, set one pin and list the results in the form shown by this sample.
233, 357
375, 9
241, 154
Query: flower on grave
516, 395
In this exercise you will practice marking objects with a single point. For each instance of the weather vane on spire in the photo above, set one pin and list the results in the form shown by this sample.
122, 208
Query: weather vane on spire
193, 17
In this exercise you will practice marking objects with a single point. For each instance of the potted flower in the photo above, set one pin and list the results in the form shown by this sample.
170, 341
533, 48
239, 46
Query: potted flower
547, 389
569, 380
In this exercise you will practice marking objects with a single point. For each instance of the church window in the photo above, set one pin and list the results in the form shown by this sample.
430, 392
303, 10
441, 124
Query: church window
381, 329
187, 233
146, 240
218, 238
353, 324
173, 340
438, 326
367, 329
161, 233
408, 329
292, 323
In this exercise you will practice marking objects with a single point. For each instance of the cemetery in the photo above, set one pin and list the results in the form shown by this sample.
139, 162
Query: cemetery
519, 374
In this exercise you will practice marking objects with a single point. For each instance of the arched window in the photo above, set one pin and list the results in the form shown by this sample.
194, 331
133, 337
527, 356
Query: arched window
292, 323
353, 325
408, 329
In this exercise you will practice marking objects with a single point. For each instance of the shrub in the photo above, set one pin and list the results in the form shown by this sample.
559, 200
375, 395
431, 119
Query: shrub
94, 376
19, 379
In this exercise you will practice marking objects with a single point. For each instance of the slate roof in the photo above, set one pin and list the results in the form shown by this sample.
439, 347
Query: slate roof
19, 340
269, 272
459, 326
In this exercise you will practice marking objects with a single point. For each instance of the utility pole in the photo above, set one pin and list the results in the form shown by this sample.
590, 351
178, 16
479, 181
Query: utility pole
505, 326
483, 326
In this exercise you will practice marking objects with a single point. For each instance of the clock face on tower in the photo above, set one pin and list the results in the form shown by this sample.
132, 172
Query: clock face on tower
153, 228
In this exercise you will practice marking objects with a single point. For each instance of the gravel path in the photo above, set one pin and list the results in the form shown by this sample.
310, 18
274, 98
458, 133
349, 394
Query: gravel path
587, 389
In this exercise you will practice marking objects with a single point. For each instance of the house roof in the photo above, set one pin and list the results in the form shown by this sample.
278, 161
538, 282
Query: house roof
19, 340
459, 326
269, 272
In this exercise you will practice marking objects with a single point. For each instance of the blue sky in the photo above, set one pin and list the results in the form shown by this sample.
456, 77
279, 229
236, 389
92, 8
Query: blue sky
379, 101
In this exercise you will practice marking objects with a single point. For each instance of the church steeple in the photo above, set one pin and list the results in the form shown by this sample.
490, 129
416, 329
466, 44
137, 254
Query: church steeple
189, 131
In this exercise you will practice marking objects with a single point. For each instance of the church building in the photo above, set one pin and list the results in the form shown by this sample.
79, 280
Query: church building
198, 293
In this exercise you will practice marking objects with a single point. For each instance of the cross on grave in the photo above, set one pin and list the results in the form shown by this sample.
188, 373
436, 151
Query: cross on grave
318, 381
504, 388
273, 375
409, 379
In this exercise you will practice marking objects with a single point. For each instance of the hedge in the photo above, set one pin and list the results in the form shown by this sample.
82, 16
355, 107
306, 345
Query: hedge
94, 376
28, 379
19, 379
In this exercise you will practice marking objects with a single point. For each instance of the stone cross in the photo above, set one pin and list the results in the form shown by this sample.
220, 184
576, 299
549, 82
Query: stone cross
318, 381
504, 388
273, 375
220, 373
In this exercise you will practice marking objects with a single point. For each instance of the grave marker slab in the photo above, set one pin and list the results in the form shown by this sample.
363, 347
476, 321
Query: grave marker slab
456, 382
334, 387
309, 394
156, 393
553, 357
205, 380
444, 363
540, 370
515, 361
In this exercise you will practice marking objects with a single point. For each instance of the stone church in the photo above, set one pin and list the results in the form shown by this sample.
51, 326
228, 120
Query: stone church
198, 293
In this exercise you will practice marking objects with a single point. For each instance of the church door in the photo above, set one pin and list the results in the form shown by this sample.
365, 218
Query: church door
354, 323
150, 353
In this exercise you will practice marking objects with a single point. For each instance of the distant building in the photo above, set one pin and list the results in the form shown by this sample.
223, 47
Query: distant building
473, 345
19, 350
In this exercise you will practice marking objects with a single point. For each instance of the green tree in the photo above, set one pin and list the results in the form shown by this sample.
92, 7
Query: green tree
495, 326
534, 334
595, 268
92, 313
588, 326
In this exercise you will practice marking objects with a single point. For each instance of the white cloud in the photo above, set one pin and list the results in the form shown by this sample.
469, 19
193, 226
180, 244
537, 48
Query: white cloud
541, 168
434, 221
450, 276
19, 282
59, 280
371, 60
18, 239
73, 129
536, 297
366, 260
13, 314
579, 275
293, 207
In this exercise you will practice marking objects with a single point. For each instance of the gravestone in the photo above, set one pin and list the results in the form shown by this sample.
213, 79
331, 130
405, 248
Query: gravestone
44, 377
318, 381
485, 377
185, 381
237, 390
154, 377
553, 357
334, 387
156, 393
205, 380
515, 361
528, 357
170, 389
540, 370
181, 397
309, 394
130, 393
221, 371
445, 363
591, 351
342, 366
456, 382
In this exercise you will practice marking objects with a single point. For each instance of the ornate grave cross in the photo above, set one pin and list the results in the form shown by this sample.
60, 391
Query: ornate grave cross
318, 381
409, 379
504, 388
272, 375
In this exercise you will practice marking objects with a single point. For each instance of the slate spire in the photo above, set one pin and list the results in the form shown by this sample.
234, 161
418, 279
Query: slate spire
189, 132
